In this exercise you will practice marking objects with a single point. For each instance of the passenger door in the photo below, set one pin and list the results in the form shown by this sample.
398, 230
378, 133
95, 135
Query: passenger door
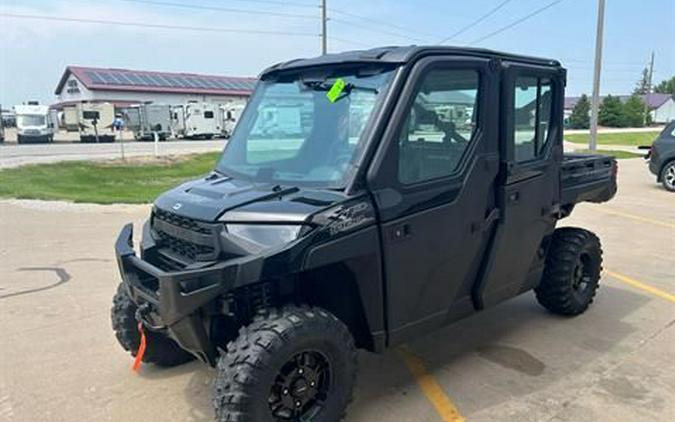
432, 179
529, 191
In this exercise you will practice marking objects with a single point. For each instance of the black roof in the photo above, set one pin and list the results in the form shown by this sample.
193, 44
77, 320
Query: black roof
400, 55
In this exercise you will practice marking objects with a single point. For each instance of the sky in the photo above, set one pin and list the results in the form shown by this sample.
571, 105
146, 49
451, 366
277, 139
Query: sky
34, 52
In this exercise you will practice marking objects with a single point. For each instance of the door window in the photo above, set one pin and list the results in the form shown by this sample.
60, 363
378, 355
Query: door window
439, 126
532, 103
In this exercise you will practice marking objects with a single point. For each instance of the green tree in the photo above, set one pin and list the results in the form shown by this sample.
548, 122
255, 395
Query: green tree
666, 87
642, 85
611, 112
633, 112
580, 118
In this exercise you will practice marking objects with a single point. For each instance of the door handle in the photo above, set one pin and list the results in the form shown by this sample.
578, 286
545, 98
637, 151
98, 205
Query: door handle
401, 231
513, 198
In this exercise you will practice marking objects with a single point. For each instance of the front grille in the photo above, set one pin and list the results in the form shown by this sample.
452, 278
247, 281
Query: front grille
184, 222
184, 238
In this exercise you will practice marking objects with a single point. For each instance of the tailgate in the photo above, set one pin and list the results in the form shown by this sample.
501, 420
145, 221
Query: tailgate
587, 177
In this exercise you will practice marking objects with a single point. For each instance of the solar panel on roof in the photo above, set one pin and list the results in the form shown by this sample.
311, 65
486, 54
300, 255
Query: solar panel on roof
119, 78
207, 83
146, 79
182, 83
155, 80
191, 83
239, 85
175, 82
197, 82
134, 78
164, 80
125, 78
107, 78
94, 77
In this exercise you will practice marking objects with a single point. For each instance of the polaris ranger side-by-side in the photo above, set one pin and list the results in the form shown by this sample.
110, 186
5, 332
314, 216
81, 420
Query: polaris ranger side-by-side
403, 188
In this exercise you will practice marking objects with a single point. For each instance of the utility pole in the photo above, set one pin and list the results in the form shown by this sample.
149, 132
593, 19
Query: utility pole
649, 87
324, 34
595, 100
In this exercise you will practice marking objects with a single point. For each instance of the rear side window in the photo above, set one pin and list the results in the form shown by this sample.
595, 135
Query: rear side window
533, 109
439, 126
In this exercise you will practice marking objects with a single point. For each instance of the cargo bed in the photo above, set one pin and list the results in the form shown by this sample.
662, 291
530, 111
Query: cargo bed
587, 177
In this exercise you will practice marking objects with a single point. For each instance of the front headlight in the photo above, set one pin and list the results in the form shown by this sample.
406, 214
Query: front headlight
256, 237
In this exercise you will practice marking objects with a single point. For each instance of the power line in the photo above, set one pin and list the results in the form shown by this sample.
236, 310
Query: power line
348, 41
381, 23
154, 25
476, 22
368, 28
280, 3
219, 9
516, 22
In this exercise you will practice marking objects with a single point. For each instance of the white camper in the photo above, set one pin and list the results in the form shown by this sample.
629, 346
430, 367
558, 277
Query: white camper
229, 116
92, 120
195, 120
33, 124
153, 118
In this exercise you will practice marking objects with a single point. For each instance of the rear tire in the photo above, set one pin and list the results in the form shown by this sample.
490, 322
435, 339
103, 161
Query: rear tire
572, 272
160, 350
298, 363
668, 176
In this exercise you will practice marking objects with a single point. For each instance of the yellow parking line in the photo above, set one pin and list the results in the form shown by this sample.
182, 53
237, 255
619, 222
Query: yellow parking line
642, 286
633, 217
445, 408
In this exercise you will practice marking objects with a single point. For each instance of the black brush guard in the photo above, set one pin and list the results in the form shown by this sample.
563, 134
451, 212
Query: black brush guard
170, 301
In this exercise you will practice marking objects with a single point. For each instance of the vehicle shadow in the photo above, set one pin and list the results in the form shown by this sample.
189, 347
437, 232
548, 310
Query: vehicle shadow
506, 352
510, 351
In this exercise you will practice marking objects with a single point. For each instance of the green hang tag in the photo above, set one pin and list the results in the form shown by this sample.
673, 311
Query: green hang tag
335, 90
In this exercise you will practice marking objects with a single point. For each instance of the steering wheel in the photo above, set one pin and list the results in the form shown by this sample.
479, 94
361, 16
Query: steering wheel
450, 131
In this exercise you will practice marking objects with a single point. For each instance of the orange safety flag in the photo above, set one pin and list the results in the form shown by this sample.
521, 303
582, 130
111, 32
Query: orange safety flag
141, 348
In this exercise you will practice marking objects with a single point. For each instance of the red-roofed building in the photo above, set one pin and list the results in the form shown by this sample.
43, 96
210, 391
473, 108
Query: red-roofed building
124, 87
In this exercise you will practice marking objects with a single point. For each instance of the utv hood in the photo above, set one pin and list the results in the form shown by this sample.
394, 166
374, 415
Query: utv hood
233, 200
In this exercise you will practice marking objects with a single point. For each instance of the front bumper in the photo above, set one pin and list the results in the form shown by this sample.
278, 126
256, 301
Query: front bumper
174, 302
34, 138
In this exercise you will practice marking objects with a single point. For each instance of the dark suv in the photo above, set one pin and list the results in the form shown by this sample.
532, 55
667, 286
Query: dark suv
364, 199
662, 157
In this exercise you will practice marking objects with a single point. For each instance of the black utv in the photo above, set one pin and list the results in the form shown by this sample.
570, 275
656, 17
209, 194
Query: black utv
364, 199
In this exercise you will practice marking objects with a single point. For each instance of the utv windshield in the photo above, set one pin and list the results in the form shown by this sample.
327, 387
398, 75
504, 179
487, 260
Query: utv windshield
306, 130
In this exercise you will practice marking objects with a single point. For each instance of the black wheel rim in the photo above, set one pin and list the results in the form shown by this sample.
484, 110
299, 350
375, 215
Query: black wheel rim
582, 277
301, 387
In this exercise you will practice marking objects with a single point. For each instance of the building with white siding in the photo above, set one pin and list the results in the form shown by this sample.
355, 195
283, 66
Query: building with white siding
124, 87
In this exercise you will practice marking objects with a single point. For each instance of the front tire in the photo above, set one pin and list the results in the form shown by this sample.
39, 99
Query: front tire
297, 363
572, 272
668, 176
160, 350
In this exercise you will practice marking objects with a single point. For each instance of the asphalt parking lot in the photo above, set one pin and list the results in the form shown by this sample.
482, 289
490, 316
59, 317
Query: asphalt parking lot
515, 362
67, 148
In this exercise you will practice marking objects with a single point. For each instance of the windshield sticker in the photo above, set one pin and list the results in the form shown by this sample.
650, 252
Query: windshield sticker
335, 90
